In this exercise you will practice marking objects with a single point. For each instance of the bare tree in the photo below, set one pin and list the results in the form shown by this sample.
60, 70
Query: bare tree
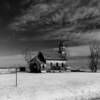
94, 55
28, 55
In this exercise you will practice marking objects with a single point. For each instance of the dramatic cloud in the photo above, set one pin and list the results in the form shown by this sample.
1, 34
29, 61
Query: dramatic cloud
54, 19
39, 24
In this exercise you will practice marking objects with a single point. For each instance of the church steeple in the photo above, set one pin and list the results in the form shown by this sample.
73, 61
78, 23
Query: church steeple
61, 47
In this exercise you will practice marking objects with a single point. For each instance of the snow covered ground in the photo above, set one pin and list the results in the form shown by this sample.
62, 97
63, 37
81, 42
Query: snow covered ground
50, 86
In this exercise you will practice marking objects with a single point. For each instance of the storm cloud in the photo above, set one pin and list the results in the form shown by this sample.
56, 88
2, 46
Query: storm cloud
40, 23
56, 19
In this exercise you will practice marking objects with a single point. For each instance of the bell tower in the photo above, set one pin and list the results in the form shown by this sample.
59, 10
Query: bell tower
61, 47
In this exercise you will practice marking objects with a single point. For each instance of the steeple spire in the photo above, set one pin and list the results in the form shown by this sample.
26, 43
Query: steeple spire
61, 46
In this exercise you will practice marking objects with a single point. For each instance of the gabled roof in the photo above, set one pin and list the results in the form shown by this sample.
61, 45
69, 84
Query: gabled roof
52, 54
38, 58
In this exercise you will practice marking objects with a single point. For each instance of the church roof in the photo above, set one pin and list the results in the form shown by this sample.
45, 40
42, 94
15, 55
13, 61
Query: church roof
38, 58
52, 54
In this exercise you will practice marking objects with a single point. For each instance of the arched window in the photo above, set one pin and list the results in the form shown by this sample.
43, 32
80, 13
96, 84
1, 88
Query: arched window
62, 65
57, 64
51, 64
43, 66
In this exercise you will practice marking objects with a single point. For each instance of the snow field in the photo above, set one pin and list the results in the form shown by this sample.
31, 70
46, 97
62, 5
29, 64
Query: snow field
50, 86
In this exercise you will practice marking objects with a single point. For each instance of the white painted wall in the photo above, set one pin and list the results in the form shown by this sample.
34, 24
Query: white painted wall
55, 61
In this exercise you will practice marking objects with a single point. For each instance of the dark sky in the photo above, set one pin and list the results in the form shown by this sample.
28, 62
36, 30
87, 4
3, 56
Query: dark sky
36, 24
12, 42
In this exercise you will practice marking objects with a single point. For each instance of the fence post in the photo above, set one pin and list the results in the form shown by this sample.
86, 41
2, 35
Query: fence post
16, 78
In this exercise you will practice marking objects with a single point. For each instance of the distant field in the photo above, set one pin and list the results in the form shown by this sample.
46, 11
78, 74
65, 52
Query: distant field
78, 59
81, 63
12, 61
75, 62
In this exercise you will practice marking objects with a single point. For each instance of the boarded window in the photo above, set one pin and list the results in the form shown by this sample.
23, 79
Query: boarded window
62, 65
51, 64
57, 64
